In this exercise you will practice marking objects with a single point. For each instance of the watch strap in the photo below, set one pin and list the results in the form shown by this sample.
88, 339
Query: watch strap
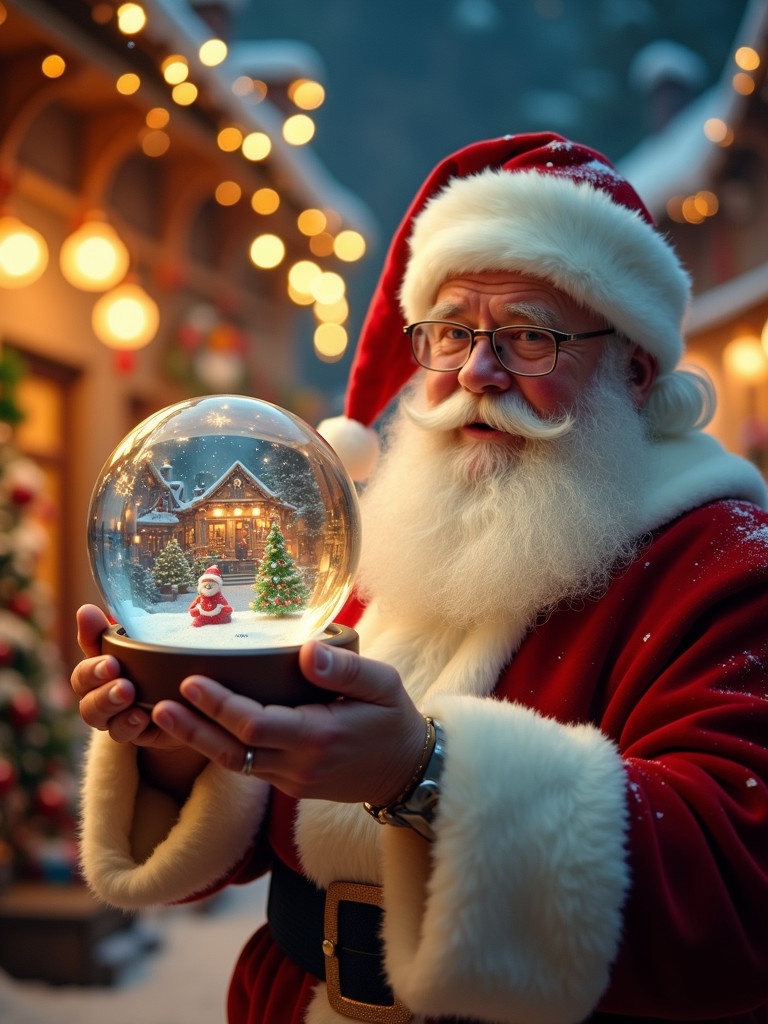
417, 808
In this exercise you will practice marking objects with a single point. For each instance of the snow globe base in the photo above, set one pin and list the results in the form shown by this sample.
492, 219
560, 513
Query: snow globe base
268, 675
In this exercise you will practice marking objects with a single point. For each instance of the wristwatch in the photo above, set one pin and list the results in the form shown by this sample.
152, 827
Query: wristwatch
417, 808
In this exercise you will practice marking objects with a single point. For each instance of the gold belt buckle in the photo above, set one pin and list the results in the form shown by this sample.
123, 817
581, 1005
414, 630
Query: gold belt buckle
355, 892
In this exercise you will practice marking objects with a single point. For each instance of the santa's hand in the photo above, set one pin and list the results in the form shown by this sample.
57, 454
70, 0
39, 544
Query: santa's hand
364, 747
106, 699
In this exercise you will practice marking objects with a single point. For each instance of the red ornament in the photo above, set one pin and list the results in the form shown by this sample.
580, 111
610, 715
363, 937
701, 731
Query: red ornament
170, 276
124, 360
21, 495
8, 776
23, 709
189, 337
50, 798
21, 604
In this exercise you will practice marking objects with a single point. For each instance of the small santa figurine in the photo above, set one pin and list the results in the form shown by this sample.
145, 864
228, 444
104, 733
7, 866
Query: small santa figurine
210, 606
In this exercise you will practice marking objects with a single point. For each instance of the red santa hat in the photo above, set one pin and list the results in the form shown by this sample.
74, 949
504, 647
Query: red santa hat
534, 204
211, 573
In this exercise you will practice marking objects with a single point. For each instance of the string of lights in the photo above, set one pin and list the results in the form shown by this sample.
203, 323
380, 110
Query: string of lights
168, 66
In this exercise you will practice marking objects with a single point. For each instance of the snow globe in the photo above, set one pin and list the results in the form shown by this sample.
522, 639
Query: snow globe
223, 532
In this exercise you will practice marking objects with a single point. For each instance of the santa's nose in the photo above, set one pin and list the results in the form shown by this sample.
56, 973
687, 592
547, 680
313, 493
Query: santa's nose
482, 371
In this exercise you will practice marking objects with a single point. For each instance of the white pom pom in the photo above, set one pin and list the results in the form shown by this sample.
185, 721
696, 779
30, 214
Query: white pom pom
356, 445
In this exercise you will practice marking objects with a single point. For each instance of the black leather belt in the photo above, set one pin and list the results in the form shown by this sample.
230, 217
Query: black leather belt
335, 935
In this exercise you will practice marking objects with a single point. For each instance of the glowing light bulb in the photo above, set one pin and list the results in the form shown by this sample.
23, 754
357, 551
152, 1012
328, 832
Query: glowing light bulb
349, 246
298, 129
267, 251
23, 253
94, 257
125, 318
330, 341
213, 52
745, 360
131, 18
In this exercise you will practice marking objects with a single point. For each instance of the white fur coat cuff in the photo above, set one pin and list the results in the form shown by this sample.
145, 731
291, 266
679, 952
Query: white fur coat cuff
514, 913
138, 848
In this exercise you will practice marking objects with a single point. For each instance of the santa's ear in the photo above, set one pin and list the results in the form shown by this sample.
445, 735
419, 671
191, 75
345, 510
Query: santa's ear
643, 370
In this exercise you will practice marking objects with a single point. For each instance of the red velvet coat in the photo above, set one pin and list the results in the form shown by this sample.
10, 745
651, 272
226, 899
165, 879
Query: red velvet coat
601, 845
671, 665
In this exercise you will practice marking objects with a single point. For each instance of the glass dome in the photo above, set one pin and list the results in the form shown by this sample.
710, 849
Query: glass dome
223, 523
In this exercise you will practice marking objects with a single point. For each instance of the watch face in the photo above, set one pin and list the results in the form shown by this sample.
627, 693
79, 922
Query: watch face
423, 800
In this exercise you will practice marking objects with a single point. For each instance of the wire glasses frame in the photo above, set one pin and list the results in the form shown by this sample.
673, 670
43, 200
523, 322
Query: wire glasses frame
526, 350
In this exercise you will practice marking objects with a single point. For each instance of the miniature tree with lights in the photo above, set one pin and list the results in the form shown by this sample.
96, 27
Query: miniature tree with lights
171, 568
40, 733
279, 586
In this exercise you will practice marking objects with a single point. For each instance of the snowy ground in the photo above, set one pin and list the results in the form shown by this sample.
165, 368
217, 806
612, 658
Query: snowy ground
184, 982
171, 624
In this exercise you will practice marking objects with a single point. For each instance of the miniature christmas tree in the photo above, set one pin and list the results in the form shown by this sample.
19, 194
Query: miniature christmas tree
199, 561
142, 584
40, 732
279, 587
171, 568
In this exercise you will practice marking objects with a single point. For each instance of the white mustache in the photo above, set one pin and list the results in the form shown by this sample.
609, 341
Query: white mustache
508, 413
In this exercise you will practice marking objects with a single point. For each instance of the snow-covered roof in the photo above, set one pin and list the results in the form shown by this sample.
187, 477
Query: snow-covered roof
236, 467
178, 26
679, 159
665, 60
277, 59
728, 300
155, 517
174, 489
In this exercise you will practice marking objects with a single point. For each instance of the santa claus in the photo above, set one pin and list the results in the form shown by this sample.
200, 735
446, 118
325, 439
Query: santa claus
543, 798
210, 606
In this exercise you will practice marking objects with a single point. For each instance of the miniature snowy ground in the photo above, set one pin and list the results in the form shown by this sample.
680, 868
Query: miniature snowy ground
170, 624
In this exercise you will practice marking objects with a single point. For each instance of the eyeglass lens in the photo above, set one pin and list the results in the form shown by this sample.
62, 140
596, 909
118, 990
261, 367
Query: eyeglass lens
439, 345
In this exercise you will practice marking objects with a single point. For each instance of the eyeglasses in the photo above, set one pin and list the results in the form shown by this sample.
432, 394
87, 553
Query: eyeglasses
528, 351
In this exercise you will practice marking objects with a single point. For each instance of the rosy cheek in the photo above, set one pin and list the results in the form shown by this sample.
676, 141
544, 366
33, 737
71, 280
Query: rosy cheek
438, 386
545, 394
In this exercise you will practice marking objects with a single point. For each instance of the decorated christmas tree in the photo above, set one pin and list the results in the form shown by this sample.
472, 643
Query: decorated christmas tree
279, 587
171, 568
40, 732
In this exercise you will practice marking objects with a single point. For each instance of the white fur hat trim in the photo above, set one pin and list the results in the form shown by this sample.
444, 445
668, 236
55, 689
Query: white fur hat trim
604, 255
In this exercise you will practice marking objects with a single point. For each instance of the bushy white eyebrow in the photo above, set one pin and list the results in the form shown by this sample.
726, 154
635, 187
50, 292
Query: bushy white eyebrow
540, 315
443, 311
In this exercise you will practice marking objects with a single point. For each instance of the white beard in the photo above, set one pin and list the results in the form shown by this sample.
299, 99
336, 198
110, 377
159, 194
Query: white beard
457, 534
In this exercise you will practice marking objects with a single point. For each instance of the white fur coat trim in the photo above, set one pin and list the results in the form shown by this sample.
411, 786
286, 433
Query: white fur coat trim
138, 848
528, 870
690, 470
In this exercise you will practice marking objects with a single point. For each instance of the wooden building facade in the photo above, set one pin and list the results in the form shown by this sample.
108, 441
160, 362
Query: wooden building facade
214, 202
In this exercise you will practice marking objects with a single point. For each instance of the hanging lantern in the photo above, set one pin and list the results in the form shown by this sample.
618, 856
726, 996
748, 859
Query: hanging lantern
94, 257
23, 253
126, 317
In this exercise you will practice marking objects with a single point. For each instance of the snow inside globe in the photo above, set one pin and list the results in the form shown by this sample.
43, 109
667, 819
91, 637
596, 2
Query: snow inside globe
223, 532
